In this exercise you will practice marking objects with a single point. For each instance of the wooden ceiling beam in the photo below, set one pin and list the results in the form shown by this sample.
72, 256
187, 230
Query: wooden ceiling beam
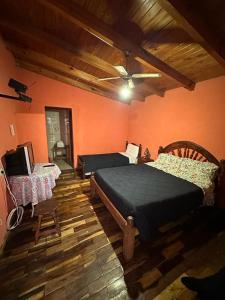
60, 68
65, 49
27, 54
88, 22
48, 72
195, 27
149, 88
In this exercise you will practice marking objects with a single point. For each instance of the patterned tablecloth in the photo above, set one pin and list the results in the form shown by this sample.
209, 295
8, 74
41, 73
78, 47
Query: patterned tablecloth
36, 187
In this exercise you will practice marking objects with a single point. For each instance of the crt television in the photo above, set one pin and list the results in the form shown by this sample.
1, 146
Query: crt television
20, 161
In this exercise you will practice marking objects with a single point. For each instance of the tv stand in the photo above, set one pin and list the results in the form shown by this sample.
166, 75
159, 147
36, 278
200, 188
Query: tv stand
36, 187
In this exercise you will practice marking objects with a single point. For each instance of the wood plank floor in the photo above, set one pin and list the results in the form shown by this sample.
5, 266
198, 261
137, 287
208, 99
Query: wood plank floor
86, 261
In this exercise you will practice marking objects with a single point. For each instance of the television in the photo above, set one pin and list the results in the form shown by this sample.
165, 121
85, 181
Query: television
20, 161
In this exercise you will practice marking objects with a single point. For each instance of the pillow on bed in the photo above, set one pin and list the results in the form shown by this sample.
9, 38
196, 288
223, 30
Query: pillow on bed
175, 164
132, 150
200, 173
168, 163
207, 168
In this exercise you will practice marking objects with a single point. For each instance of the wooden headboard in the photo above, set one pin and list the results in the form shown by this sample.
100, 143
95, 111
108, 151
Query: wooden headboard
140, 148
189, 150
194, 151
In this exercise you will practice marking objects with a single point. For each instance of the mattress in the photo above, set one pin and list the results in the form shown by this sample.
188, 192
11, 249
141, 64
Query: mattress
151, 196
132, 159
100, 161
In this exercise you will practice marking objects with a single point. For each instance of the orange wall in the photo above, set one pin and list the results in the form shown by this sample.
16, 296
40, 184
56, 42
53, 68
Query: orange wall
99, 124
198, 116
8, 108
31, 127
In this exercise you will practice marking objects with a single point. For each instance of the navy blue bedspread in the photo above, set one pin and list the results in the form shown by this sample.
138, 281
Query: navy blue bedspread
151, 196
100, 161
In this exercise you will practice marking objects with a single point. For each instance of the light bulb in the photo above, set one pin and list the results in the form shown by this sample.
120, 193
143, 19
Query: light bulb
125, 92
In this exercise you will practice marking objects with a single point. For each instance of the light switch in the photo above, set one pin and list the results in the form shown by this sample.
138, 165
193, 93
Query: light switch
12, 130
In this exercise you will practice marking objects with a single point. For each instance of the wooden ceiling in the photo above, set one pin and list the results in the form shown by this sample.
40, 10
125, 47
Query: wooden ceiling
79, 41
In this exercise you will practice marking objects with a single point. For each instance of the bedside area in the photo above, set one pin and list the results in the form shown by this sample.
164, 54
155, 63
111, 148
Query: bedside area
145, 158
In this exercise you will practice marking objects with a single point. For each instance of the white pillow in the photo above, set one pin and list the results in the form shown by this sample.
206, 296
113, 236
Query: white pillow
132, 150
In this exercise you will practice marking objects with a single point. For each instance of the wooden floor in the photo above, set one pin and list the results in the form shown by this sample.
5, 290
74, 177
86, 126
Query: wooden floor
86, 261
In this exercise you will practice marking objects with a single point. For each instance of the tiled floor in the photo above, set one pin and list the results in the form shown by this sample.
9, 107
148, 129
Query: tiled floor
63, 165
86, 261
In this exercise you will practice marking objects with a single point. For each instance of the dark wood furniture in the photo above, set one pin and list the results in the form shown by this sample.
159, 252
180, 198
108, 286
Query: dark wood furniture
145, 158
182, 149
81, 164
45, 209
62, 153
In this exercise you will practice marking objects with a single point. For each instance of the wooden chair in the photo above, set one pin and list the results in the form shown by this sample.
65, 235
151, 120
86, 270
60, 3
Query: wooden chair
45, 209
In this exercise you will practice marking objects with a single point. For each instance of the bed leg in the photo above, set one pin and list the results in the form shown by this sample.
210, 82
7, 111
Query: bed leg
93, 189
82, 170
128, 239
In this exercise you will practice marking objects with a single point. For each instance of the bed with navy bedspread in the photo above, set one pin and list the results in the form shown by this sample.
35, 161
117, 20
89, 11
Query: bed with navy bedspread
100, 161
148, 194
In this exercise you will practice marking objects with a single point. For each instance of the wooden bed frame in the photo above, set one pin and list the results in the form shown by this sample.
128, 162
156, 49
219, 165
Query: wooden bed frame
81, 164
182, 149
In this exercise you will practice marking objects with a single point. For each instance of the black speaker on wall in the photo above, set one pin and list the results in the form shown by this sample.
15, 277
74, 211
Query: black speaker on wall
17, 86
20, 89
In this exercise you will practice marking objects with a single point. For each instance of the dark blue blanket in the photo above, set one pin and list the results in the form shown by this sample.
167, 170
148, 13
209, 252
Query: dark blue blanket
95, 162
151, 196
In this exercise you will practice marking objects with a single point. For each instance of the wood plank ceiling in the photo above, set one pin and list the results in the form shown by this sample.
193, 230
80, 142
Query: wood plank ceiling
79, 41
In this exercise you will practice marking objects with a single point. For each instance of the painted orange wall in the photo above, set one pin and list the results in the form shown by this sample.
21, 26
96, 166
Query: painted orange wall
8, 108
198, 116
31, 127
99, 124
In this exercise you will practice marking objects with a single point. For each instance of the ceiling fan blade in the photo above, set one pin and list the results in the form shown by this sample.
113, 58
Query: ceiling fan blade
108, 78
121, 70
146, 75
131, 83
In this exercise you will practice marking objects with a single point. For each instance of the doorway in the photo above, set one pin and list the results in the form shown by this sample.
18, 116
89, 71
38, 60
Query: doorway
60, 137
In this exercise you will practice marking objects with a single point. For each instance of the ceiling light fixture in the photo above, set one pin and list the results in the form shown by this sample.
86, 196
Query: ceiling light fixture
125, 92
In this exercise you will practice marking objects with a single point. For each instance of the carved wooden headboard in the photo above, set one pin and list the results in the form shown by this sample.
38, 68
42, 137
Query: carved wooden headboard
194, 151
189, 150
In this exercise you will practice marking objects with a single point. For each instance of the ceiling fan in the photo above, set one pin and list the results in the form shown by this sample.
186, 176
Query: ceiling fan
124, 74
